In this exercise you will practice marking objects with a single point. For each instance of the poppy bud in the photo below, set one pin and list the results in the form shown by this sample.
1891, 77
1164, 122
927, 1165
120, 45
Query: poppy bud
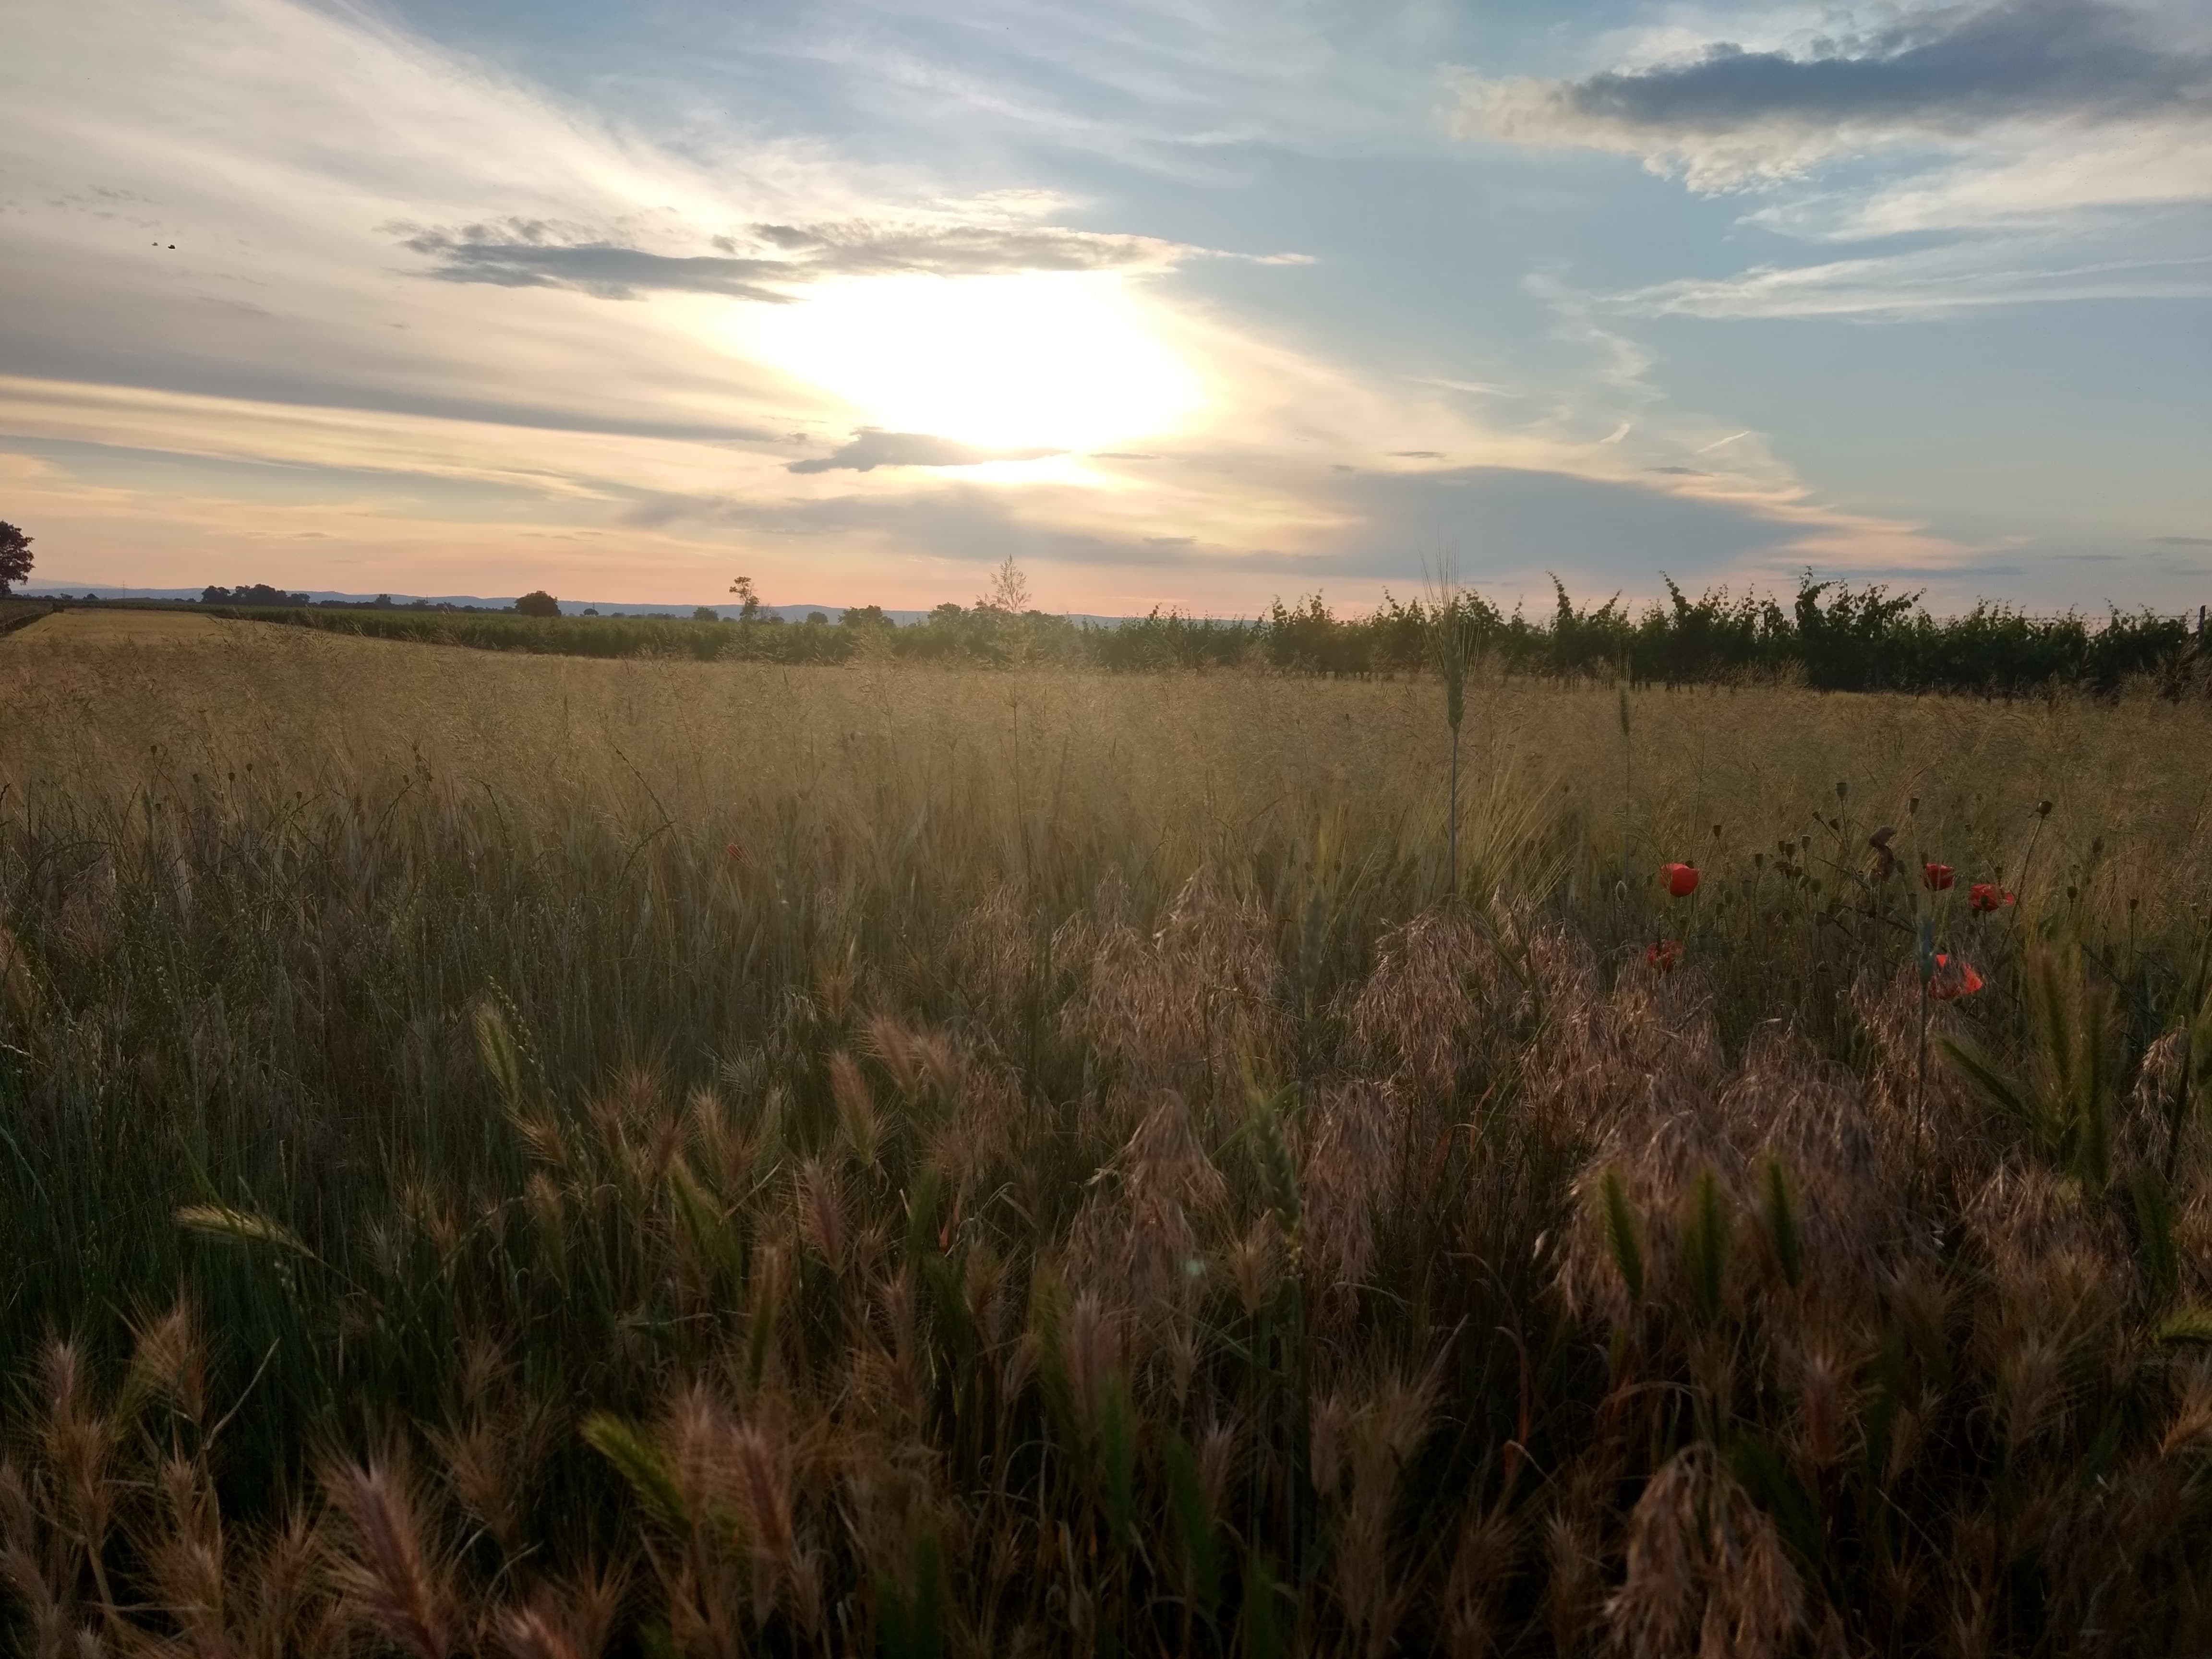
1682, 878
1885, 860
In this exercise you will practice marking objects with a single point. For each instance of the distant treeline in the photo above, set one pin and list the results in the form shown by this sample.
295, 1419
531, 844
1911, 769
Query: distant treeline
1831, 637
261, 596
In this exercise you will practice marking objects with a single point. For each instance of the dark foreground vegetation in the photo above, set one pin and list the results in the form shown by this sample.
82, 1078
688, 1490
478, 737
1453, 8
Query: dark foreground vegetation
1013, 1173
1832, 637
22, 613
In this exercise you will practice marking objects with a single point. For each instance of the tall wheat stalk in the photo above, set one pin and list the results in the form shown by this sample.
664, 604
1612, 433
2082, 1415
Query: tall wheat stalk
1451, 637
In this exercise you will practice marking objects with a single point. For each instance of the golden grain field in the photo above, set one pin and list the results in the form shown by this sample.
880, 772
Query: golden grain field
552, 1157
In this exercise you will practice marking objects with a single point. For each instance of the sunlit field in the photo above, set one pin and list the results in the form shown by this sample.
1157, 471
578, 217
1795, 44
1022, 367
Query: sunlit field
112, 626
536, 1155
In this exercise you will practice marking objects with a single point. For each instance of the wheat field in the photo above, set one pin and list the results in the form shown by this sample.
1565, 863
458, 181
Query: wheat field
554, 1157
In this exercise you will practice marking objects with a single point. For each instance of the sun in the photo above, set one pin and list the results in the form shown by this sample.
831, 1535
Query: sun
1065, 360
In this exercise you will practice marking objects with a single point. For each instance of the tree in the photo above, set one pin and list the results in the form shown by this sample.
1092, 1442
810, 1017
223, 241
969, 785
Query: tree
749, 604
259, 595
15, 557
539, 604
706, 613
1010, 590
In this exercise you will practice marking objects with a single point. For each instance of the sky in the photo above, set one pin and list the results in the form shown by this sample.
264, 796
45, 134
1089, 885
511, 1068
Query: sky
1177, 303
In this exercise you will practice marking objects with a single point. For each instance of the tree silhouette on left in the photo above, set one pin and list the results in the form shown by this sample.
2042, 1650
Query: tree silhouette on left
15, 557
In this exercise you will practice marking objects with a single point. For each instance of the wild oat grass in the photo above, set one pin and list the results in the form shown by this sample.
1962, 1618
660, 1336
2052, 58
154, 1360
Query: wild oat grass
553, 1156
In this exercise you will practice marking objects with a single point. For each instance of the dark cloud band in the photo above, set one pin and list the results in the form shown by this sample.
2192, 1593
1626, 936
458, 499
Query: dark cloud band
770, 261
1954, 71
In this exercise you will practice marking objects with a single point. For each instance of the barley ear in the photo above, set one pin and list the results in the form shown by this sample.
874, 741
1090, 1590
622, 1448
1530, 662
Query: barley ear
2003, 1092
856, 1108
1782, 1223
2157, 1253
241, 1226
1279, 1171
2190, 1325
1117, 1448
1704, 1242
1623, 1236
639, 1463
495, 1049
764, 1301
711, 1235
1194, 1523
922, 1213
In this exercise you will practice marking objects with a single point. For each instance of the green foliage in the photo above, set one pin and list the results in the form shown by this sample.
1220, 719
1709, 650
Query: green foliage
2065, 1104
1704, 1246
1832, 637
911, 1615
2157, 1250
1272, 1156
16, 559
1782, 1223
1624, 1234
1195, 1527
640, 1464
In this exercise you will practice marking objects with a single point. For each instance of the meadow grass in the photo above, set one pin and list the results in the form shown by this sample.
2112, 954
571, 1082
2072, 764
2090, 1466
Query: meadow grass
548, 1156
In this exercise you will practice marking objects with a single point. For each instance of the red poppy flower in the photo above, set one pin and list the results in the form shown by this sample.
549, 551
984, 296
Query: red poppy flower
1954, 979
1682, 878
1987, 895
1664, 954
1939, 876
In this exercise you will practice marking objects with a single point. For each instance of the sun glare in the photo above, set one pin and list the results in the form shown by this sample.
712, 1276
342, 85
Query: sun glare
1046, 360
